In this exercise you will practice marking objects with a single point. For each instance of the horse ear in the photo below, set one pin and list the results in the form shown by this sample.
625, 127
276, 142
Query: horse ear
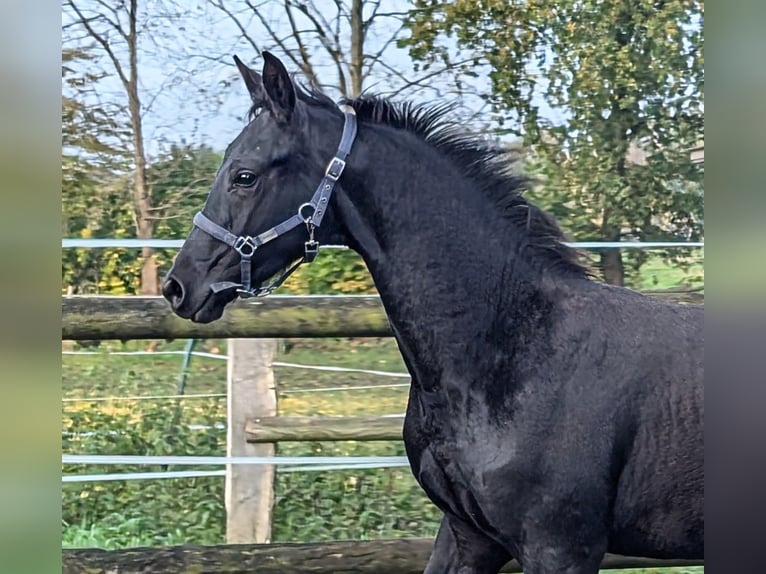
253, 82
279, 87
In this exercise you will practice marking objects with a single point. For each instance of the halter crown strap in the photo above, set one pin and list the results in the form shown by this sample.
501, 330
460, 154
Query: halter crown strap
246, 245
335, 168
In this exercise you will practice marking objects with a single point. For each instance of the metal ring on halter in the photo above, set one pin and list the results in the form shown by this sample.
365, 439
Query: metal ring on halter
306, 219
245, 246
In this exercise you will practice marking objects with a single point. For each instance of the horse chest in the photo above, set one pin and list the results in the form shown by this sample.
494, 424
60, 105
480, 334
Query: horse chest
452, 468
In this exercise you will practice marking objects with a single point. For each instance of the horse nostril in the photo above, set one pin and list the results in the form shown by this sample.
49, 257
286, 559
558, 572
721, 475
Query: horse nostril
173, 291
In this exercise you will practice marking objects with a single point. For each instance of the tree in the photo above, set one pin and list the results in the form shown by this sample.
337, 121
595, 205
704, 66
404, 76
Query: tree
116, 31
94, 163
130, 42
97, 184
343, 46
627, 80
88, 155
179, 181
175, 181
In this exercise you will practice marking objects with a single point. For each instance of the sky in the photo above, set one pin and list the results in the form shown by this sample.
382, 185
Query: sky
188, 83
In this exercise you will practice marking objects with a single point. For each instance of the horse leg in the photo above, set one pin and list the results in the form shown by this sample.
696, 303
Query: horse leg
563, 559
461, 549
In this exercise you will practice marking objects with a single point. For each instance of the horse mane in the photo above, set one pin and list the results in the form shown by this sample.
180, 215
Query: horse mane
485, 162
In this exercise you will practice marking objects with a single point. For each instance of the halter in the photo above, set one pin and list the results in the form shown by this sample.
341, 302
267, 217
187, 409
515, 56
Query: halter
310, 213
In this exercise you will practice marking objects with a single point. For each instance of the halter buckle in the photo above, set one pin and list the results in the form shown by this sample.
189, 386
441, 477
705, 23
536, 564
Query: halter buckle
245, 246
335, 169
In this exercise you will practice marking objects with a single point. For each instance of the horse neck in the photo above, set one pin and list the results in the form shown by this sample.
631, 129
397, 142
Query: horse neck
441, 255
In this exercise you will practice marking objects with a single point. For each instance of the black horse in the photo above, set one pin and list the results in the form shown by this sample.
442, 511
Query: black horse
551, 417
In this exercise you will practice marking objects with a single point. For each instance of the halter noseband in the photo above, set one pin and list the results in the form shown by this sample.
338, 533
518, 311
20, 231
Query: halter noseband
310, 213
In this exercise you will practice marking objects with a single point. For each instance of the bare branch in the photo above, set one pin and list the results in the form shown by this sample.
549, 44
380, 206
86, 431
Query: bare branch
169, 80
419, 81
116, 23
281, 43
301, 47
104, 44
339, 7
318, 16
78, 23
183, 213
478, 112
402, 14
239, 25
217, 59
356, 44
368, 22
333, 50
331, 45
377, 56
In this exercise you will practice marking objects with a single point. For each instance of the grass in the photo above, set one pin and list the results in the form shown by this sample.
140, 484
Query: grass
125, 533
310, 506
657, 274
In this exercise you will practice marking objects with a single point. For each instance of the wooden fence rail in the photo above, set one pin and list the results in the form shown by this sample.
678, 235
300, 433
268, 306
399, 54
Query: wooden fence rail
302, 429
401, 556
277, 316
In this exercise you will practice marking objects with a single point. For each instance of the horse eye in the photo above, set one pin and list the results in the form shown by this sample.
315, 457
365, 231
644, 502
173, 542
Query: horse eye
245, 179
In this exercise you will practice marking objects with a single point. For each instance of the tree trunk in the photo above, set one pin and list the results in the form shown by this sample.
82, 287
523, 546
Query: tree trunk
357, 47
612, 267
143, 202
149, 275
621, 119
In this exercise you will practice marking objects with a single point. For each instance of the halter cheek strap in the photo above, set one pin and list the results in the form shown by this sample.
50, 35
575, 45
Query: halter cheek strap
310, 214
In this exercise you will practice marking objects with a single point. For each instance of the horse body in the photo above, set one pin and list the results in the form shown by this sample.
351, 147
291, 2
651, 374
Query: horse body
551, 418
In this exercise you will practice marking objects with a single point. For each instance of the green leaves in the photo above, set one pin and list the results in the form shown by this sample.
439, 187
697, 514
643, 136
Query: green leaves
627, 78
333, 272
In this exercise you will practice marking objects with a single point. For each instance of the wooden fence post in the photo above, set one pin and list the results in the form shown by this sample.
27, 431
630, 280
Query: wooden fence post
251, 394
